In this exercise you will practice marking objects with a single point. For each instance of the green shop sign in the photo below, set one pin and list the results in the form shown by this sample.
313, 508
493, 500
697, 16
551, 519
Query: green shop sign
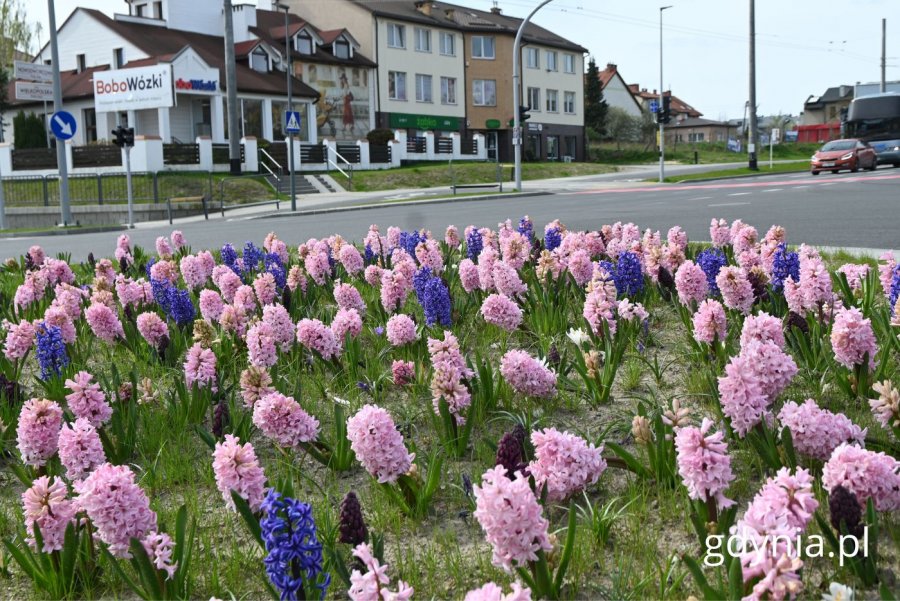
493, 123
408, 121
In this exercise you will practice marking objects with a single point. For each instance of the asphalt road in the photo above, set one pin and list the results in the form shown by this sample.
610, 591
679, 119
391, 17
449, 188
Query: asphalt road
859, 210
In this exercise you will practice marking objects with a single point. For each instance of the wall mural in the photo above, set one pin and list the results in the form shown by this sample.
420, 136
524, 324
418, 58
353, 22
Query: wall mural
343, 109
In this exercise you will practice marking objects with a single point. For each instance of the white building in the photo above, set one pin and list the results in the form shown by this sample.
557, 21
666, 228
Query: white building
616, 92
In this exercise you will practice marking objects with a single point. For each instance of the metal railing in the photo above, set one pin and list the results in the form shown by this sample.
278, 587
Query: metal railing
347, 165
264, 159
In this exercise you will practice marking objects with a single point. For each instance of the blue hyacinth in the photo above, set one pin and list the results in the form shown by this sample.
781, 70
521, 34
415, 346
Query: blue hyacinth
626, 274
785, 265
410, 240
160, 289
436, 303
252, 257
149, 265
711, 261
474, 244
420, 280
526, 227
294, 562
552, 238
229, 255
180, 307
275, 266
369, 256
51, 350
895, 288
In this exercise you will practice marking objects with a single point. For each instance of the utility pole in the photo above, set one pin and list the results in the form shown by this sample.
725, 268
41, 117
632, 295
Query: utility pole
2, 202
662, 136
754, 134
883, 52
290, 107
517, 148
234, 150
57, 106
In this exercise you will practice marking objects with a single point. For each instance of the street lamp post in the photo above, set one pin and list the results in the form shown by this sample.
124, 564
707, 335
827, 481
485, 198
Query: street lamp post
290, 106
662, 137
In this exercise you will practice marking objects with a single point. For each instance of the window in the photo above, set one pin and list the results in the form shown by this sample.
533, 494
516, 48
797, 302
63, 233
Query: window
534, 98
90, 125
552, 148
79, 59
696, 137
448, 44
482, 47
552, 101
569, 103
342, 48
423, 88
118, 58
259, 61
396, 85
157, 10
304, 43
569, 63
448, 90
571, 146
396, 35
423, 39
551, 61
139, 10
532, 58
484, 92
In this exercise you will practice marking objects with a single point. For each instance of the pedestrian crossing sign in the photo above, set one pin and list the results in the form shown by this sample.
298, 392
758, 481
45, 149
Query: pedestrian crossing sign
292, 122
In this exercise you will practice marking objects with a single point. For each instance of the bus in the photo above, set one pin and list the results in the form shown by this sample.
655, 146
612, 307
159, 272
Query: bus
876, 119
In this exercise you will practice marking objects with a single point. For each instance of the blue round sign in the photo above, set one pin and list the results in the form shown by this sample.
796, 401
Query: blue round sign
63, 125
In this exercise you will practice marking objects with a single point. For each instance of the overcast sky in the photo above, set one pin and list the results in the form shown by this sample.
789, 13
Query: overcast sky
802, 48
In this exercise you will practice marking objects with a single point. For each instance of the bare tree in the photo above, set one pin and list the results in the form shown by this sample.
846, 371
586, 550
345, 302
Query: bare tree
16, 33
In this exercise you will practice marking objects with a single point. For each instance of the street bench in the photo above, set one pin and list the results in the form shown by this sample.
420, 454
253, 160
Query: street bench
456, 187
185, 199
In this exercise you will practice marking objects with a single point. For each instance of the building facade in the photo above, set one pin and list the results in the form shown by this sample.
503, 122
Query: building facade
616, 92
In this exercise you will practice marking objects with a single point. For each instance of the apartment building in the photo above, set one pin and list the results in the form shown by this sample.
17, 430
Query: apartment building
444, 67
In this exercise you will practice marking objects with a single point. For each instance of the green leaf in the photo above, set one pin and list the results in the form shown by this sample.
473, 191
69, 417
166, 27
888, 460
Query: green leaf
735, 579
243, 508
567, 549
137, 590
630, 460
709, 593
206, 436
146, 570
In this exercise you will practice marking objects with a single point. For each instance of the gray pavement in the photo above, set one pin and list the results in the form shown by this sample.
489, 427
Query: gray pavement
846, 210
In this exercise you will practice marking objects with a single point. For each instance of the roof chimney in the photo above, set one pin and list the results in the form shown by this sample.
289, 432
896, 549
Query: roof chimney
611, 66
654, 91
450, 13
424, 7
496, 10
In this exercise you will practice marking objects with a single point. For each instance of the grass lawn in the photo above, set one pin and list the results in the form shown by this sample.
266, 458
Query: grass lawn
710, 152
439, 174
737, 171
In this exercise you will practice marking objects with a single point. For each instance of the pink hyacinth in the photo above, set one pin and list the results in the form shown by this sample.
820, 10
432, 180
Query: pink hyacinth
200, 367
46, 505
762, 328
598, 308
507, 281
282, 326
237, 469
741, 395
234, 318
152, 328
372, 275
117, 507
709, 322
104, 322
87, 400
378, 444
192, 272
447, 385
318, 337
178, 240
677, 238
70, 298
813, 290
401, 329
37, 255
515, 249
886, 271
581, 267
80, 449
447, 352
511, 518
228, 282
527, 375
19, 339
159, 548
351, 259
130, 292
566, 464
492, 592
690, 282
348, 297
852, 338
274, 246
58, 272
774, 368
854, 273
719, 233
468, 275
317, 266
207, 263
486, 261
403, 372
737, 292
265, 288
282, 419
629, 311
255, 383
428, 254
346, 321
164, 271
501, 311
373, 585
451, 236
703, 463
38, 431
817, 432
163, 248
211, 305
744, 239
261, 350
866, 474
394, 288
245, 298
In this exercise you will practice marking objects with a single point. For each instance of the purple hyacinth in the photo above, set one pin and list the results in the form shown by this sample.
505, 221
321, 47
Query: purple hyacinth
711, 261
552, 238
526, 227
785, 265
474, 244
51, 350
436, 303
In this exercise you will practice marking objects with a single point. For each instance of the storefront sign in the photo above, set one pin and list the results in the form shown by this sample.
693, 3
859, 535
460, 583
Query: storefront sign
34, 91
535, 127
196, 85
408, 121
492, 124
133, 89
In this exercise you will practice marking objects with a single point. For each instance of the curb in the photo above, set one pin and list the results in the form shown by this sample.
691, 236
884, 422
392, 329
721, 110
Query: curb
745, 176
62, 232
387, 205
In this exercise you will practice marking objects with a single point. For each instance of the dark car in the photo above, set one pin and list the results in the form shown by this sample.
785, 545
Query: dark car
887, 152
849, 154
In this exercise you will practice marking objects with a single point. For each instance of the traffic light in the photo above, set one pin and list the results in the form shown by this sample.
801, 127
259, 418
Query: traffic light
664, 114
523, 113
119, 136
128, 136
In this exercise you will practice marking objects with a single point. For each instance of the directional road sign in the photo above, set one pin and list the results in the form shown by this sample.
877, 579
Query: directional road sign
28, 90
292, 122
34, 72
63, 125
654, 106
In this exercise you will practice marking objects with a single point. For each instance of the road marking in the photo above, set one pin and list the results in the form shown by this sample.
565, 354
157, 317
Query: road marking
700, 198
803, 186
728, 204
740, 193
827, 184
774, 190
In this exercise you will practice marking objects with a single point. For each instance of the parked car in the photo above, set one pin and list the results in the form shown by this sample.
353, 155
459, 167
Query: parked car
887, 151
849, 154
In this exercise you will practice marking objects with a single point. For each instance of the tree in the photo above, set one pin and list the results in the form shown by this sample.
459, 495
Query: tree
29, 131
595, 107
15, 37
622, 127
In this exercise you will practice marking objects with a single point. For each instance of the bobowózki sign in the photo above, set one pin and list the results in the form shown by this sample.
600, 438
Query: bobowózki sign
133, 89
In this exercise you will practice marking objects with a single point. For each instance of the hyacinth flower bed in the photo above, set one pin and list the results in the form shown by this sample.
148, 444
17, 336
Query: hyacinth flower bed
514, 413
